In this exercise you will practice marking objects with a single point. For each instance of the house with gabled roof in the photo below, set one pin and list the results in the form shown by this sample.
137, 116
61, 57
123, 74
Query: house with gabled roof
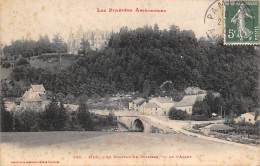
165, 103
34, 98
157, 106
187, 102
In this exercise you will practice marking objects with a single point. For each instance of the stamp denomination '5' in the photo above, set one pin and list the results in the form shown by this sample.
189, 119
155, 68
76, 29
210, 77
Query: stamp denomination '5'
241, 25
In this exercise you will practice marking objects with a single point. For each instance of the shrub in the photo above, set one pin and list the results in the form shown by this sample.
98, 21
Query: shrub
54, 117
6, 65
5, 117
200, 108
27, 120
177, 114
84, 118
22, 61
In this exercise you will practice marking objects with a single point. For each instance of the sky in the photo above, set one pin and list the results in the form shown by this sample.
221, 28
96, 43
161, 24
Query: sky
31, 18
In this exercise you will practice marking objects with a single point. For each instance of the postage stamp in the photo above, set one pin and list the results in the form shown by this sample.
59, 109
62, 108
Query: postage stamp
241, 22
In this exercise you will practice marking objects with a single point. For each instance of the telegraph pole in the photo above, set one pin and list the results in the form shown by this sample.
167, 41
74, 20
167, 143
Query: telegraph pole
13, 119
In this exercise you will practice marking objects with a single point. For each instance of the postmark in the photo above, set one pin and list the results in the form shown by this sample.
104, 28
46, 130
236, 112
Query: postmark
241, 22
213, 19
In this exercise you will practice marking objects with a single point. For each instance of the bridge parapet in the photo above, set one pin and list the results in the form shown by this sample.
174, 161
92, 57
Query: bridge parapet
142, 123
134, 121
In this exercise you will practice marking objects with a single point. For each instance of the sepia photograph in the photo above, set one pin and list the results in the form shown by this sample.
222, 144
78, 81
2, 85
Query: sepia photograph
129, 83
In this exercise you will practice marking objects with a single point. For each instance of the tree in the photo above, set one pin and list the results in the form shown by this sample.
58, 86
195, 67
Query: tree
54, 117
141, 59
210, 104
210, 101
6, 118
177, 114
111, 118
201, 108
58, 45
84, 117
22, 61
43, 45
147, 88
28, 120
84, 46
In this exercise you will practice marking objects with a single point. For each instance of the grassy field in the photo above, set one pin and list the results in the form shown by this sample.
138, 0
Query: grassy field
121, 148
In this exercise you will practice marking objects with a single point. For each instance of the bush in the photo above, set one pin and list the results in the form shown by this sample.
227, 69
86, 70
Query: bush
22, 61
177, 114
257, 127
27, 120
6, 65
201, 108
54, 118
6, 118
247, 128
84, 118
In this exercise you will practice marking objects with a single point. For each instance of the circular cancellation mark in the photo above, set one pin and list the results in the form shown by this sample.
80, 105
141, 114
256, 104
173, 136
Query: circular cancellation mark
213, 18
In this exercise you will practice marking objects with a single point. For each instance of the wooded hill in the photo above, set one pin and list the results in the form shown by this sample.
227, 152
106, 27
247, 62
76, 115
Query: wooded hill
143, 58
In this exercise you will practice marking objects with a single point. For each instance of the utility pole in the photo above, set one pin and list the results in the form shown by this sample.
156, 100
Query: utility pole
13, 119
221, 113
59, 61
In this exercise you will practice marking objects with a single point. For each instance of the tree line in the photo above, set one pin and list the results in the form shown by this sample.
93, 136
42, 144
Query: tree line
28, 48
142, 59
54, 118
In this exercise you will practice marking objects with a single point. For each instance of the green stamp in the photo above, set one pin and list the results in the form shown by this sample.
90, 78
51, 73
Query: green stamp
241, 25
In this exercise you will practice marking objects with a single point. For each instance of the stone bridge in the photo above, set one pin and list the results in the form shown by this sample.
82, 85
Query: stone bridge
141, 123
134, 121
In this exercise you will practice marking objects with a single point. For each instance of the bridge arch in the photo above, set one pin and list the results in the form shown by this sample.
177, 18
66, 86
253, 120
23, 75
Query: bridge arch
138, 125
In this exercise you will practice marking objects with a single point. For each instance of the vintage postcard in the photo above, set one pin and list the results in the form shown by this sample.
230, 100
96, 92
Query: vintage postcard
129, 82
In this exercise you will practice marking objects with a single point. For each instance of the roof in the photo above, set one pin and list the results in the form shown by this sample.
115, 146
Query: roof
38, 88
71, 107
248, 113
216, 94
31, 96
162, 99
217, 127
34, 94
139, 100
9, 105
151, 105
189, 100
194, 90
186, 101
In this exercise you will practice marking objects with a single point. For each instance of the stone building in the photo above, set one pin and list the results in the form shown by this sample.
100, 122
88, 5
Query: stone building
135, 104
151, 108
165, 104
187, 102
35, 98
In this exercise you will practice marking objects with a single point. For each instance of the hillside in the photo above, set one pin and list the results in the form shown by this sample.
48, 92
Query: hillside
53, 63
142, 59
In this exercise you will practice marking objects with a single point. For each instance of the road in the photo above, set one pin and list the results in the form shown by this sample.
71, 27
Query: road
176, 126
120, 148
